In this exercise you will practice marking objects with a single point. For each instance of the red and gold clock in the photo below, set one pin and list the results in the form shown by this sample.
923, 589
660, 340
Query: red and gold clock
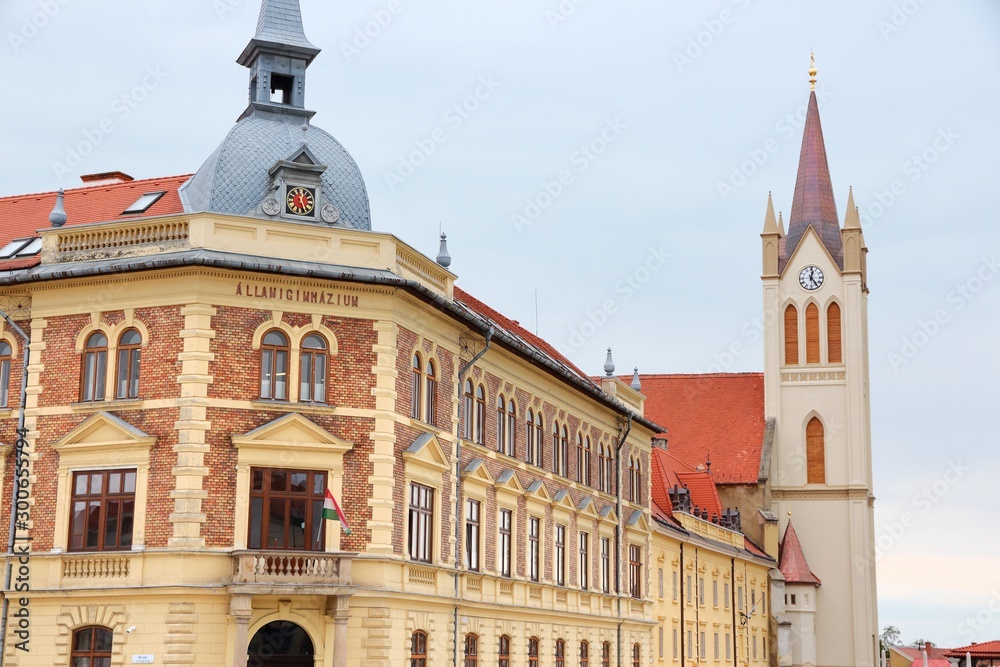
300, 201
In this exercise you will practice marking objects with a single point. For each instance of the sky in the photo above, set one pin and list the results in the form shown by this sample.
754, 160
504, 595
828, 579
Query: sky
602, 171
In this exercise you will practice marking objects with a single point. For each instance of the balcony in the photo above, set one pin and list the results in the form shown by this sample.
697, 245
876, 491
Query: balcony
291, 570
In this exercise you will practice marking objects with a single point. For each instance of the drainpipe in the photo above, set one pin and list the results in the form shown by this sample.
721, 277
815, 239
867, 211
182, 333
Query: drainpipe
680, 582
462, 418
16, 486
618, 539
732, 593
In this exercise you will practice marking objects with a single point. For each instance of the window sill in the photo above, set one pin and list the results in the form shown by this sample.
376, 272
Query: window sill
104, 406
263, 404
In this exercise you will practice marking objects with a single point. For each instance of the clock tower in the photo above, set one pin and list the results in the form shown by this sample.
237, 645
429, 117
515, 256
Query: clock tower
816, 392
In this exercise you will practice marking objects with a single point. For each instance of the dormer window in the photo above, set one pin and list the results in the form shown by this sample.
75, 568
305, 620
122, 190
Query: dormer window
143, 203
17, 247
281, 88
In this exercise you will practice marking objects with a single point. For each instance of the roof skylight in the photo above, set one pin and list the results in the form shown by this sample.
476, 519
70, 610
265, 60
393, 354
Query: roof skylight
15, 246
143, 203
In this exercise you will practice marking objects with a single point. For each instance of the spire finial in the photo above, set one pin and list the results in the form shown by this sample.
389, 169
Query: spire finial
57, 218
609, 365
812, 71
636, 382
770, 223
443, 258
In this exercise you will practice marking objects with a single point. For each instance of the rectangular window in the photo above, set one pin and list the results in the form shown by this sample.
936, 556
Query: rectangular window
635, 570
701, 645
286, 509
659, 581
701, 591
472, 535
534, 548
103, 508
690, 596
606, 564
421, 522
715, 593
4, 374
725, 595
729, 648
753, 598
675, 586
755, 647
661, 641
584, 561
675, 644
560, 563
690, 644
716, 642
506, 547
739, 598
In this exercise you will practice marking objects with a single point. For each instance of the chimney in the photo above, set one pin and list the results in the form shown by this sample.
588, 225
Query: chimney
106, 178
660, 441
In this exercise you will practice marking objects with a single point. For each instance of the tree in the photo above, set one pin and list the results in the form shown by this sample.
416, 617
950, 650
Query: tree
889, 637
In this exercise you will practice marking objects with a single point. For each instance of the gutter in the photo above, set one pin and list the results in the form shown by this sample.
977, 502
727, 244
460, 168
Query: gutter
16, 486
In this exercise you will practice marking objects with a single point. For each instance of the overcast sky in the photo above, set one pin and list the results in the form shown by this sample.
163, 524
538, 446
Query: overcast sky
692, 112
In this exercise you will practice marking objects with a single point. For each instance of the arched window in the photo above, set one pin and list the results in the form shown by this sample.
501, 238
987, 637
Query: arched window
5, 359
631, 478
609, 486
833, 348
501, 423
274, 366
637, 482
579, 458
560, 653
511, 428
129, 351
635, 655
95, 366
815, 452
312, 369
503, 654
586, 461
480, 415
539, 440
529, 439
430, 399
564, 452
533, 652
467, 411
418, 649
556, 458
812, 334
584, 654
606, 654
791, 335
417, 372
471, 650
92, 647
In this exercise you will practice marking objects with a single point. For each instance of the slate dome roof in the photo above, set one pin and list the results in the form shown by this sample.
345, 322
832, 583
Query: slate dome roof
234, 179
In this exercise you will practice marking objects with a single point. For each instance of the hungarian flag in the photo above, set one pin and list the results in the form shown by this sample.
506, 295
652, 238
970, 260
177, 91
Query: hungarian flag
332, 511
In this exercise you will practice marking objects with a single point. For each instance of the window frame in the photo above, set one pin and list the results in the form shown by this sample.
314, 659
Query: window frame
312, 358
534, 548
503, 651
420, 525
416, 385
430, 393
418, 649
583, 542
480, 432
473, 531
270, 354
6, 361
501, 425
605, 564
533, 646
635, 570
559, 555
94, 368
314, 529
93, 654
584, 653
105, 498
471, 652
511, 428
130, 366
560, 653
606, 654
468, 408
505, 543
579, 458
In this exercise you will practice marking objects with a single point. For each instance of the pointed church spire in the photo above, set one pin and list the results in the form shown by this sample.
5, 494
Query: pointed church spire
792, 560
813, 203
851, 220
280, 22
781, 224
770, 223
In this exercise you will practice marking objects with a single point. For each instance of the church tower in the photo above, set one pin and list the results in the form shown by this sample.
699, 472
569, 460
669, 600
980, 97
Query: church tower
816, 388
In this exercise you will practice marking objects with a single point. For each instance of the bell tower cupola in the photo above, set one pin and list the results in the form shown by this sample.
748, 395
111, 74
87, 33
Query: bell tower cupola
277, 56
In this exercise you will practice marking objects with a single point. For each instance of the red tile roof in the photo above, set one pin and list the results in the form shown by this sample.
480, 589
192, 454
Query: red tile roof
22, 215
719, 415
989, 649
668, 471
792, 560
916, 654
477, 306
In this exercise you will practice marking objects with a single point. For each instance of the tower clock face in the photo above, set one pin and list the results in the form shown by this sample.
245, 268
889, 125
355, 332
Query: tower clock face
811, 278
300, 201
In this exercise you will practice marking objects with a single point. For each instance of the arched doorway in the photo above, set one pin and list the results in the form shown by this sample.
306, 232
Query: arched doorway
280, 644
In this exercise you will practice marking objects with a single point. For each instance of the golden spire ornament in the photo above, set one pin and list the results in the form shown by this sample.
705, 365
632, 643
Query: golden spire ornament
812, 71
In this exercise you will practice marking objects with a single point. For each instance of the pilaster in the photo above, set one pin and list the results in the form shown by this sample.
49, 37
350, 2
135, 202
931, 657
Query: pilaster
383, 456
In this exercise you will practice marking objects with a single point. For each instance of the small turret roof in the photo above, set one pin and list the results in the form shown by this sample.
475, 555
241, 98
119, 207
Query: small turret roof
792, 560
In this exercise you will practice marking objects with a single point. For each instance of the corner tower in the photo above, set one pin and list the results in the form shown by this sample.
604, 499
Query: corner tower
816, 390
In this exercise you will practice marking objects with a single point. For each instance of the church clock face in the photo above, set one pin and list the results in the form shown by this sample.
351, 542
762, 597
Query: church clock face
811, 278
300, 201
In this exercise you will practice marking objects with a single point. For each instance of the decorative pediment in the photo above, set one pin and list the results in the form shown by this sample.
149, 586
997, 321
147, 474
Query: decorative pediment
588, 508
638, 521
537, 492
426, 451
292, 432
104, 431
562, 500
477, 473
608, 514
509, 483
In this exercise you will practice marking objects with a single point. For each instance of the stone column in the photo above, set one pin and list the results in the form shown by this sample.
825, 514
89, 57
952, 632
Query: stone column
339, 610
241, 610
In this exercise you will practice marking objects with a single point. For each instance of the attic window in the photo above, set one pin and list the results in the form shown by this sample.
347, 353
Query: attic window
281, 88
31, 249
15, 247
143, 203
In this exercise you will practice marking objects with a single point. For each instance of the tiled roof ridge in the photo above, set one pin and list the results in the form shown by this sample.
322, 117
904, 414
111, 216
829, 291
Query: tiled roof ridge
95, 187
698, 375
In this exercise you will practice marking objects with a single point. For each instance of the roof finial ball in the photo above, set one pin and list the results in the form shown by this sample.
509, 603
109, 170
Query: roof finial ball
57, 218
812, 71
443, 258
609, 365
